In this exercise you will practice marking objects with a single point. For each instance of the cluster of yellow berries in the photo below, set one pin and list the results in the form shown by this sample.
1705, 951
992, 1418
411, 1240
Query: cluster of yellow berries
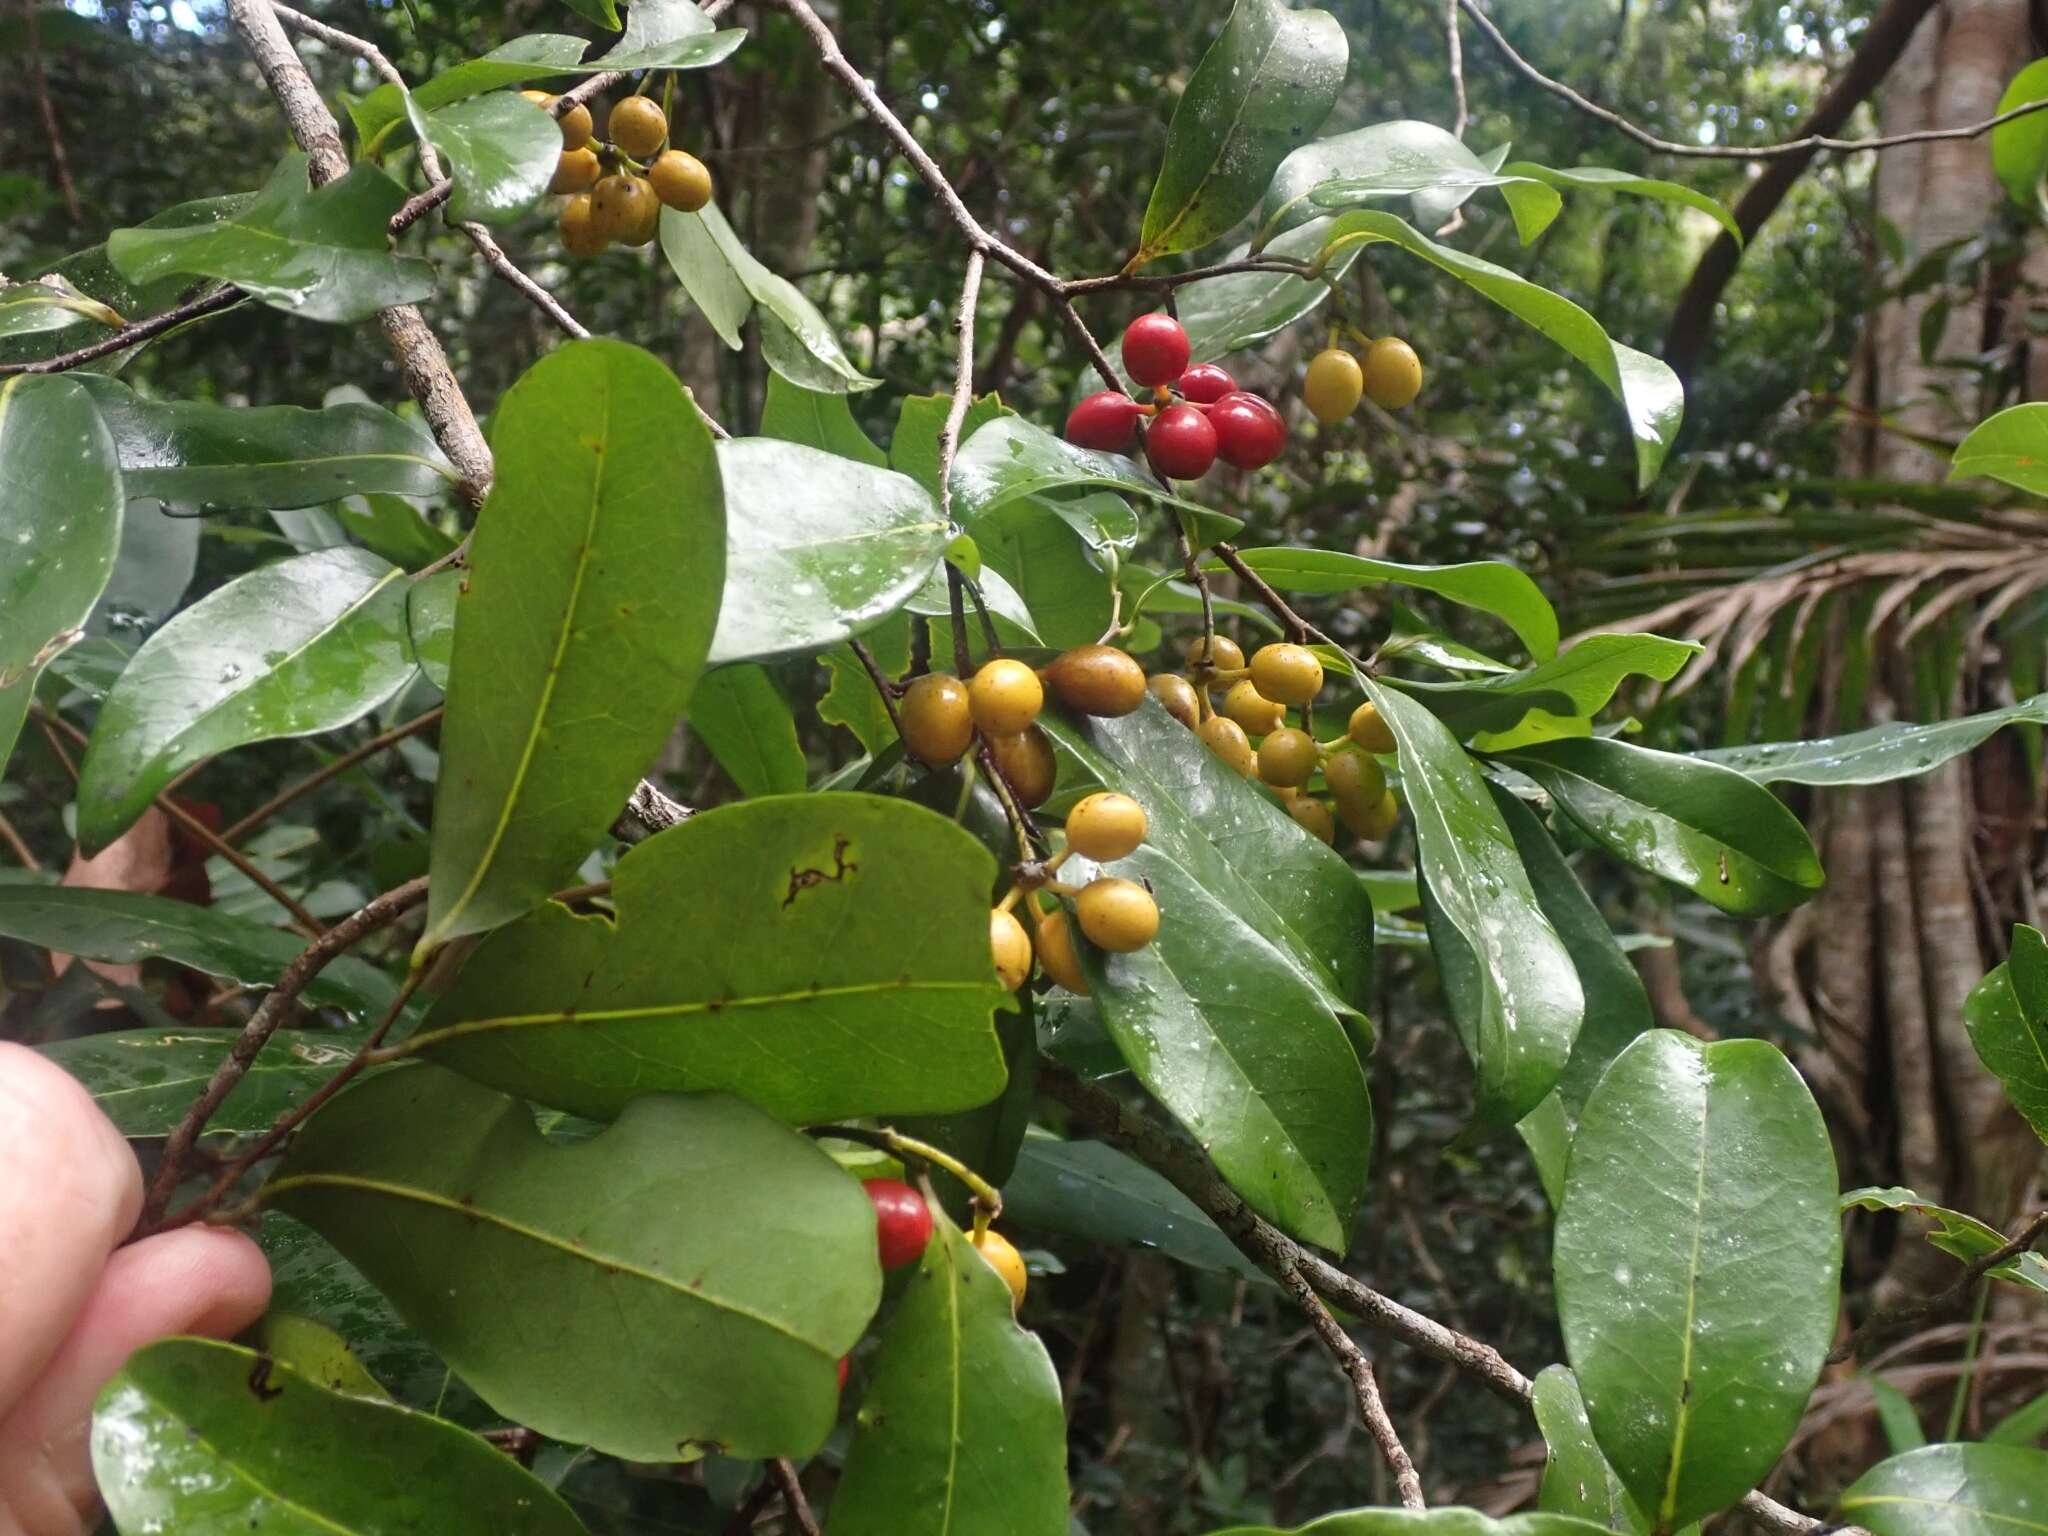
1390, 375
616, 187
1284, 757
1115, 914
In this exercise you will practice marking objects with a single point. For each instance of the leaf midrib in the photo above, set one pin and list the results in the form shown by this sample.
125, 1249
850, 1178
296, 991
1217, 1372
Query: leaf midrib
1916, 1502
1156, 242
1682, 1421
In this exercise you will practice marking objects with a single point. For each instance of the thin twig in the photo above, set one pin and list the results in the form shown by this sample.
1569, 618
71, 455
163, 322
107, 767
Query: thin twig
18, 847
378, 913
1108, 281
793, 1498
1298, 628
1810, 144
963, 379
226, 297
744, 1517
884, 689
59, 158
1357, 1367
1886, 1321
1455, 48
1030, 841
339, 766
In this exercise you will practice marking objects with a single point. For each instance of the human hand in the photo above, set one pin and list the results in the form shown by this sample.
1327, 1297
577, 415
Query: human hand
73, 1306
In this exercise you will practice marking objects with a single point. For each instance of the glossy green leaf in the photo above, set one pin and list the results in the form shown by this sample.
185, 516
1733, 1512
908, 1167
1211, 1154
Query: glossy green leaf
2025, 1425
1030, 548
322, 254
821, 547
702, 1302
1229, 313
1263, 87
430, 622
1010, 458
1895, 1411
1434, 1522
697, 257
1576, 1478
1491, 586
1952, 1490
1089, 1190
1697, 824
2019, 149
26, 308
1648, 390
126, 927
145, 1079
1959, 1235
1403, 158
500, 151
1514, 996
987, 1136
304, 645
60, 518
1697, 1259
742, 717
1531, 193
961, 1428
317, 1353
600, 555
1231, 1015
392, 527
2011, 446
220, 457
920, 419
1564, 693
1884, 752
837, 965
210, 1439
799, 415
669, 34
2007, 1016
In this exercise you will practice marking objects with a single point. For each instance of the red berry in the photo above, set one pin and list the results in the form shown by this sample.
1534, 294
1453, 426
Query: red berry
844, 1362
1249, 432
1105, 419
1155, 349
1205, 384
903, 1222
1180, 443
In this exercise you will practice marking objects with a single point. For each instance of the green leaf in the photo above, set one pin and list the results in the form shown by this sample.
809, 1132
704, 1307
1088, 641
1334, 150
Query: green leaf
323, 254
1514, 995
740, 715
987, 1137
669, 34
1434, 1522
1583, 679
1895, 1411
303, 645
1884, 752
1534, 206
158, 558
60, 519
390, 526
1697, 1258
1576, 1478
210, 1439
317, 1353
1010, 458
2011, 446
2007, 1016
2019, 149
961, 1428
430, 623
146, 1079
820, 547
27, 308
1229, 313
817, 420
920, 419
837, 964
1649, 391
127, 927
1029, 547
1962, 1237
1697, 824
701, 1300
1491, 586
500, 151
1263, 87
604, 12
1951, 1490
2025, 1425
221, 457
1231, 1015
600, 556
727, 283
1089, 1190
1403, 158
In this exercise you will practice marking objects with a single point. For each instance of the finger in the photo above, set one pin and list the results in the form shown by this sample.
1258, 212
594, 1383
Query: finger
69, 1191
195, 1280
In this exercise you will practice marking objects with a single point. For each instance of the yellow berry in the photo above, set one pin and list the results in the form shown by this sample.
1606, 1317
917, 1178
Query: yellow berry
1369, 730
681, 180
1218, 653
1027, 760
1116, 914
1354, 776
1380, 820
1287, 758
1288, 674
1334, 383
1106, 826
1313, 817
638, 126
1097, 680
1002, 1257
1393, 373
1056, 952
1011, 946
1225, 737
576, 171
619, 208
938, 726
579, 229
1006, 696
1252, 709
1178, 695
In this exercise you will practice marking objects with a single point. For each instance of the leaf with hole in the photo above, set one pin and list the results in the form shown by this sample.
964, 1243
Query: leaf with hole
1698, 1262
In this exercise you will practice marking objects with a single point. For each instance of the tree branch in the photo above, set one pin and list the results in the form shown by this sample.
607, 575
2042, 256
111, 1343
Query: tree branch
225, 297
1884, 1322
793, 1498
340, 765
963, 380
1353, 1361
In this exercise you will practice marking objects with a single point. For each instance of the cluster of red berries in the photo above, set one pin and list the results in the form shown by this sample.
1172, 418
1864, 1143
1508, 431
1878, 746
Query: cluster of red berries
1197, 415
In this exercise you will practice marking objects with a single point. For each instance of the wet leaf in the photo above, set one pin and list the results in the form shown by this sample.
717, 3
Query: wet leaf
27, 308
600, 555
303, 645
499, 150
1959, 1235
838, 965
1697, 1258
1576, 1478
818, 420
1560, 696
210, 1439
961, 1428
1089, 1190
1531, 193
322, 254
146, 1079
1009, 458
703, 1302
1876, 756
2007, 1016
1952, 1490
742, 718
1403, 158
